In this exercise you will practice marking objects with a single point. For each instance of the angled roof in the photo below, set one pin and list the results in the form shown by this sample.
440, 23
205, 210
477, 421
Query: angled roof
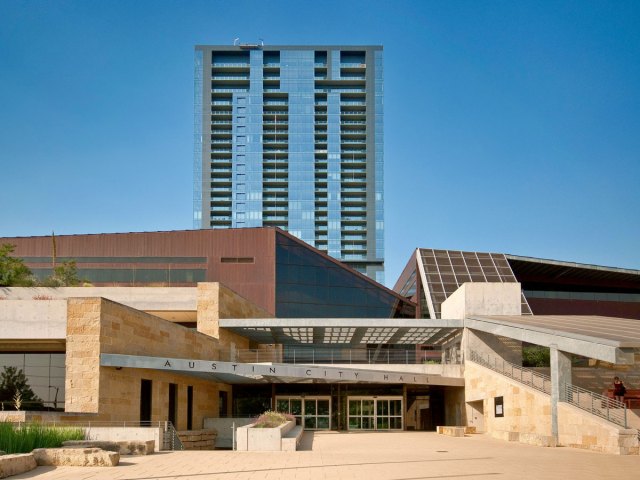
443, 271
541, 269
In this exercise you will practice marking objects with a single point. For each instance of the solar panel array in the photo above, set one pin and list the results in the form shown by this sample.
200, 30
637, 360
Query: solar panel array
447, 270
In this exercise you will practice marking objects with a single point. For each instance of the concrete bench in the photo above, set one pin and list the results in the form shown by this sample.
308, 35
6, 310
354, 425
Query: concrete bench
291, 439
123, 447
16, 464
451, 431
76, 457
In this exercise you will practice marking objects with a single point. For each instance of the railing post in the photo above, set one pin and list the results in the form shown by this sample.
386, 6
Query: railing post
625, 415
294, 356
406, 357
313, 356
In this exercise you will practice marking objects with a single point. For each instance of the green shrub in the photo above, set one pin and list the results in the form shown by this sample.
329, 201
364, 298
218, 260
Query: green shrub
24, 438
271, 419
535, 356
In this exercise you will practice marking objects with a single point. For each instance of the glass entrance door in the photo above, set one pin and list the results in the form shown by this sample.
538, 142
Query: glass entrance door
317, 413
314, 413
375, 413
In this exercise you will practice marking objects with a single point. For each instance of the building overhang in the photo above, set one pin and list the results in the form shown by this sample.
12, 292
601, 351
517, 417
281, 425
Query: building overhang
609, 339
235, 372
344, 331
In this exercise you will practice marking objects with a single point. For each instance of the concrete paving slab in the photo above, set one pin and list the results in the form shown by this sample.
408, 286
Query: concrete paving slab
369, 456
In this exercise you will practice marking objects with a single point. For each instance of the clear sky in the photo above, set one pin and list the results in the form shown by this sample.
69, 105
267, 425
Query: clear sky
509, 126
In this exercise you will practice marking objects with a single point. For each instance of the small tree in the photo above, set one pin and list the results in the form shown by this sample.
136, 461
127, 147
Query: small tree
13, 271
13, 383
64, 275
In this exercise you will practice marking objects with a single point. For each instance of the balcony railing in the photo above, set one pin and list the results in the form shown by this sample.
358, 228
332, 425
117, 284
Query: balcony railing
230, 78
214, 65
335, 355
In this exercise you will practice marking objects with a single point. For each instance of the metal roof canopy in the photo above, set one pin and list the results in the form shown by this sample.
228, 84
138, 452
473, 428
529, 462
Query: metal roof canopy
343, 331
609, 339
588, 271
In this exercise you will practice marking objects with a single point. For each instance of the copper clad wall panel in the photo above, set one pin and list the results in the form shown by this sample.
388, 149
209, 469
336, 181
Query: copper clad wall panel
254, 281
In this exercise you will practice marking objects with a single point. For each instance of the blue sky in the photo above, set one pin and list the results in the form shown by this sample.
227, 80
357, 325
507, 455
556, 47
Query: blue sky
509, 126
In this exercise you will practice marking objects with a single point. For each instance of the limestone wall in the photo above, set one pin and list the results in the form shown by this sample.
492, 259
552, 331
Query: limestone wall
95, 326
527, 416
455, 412
215, 301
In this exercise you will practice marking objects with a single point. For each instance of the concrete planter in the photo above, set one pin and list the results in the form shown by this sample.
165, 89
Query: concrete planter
253, 439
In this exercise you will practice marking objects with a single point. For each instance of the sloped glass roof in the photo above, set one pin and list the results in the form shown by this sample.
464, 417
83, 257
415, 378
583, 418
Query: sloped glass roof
447, 270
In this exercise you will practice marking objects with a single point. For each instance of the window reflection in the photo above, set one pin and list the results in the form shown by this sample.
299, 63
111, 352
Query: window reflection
45, 375
310, 285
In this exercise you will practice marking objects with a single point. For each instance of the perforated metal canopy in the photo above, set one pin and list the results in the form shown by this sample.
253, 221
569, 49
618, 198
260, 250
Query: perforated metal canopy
343, 331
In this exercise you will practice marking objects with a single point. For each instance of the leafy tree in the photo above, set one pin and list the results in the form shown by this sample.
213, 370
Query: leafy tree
13, 271
14, 381
64, 275
535, 356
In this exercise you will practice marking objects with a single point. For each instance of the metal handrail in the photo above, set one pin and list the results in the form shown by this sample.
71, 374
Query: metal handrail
313, 355
604, 407
174, 440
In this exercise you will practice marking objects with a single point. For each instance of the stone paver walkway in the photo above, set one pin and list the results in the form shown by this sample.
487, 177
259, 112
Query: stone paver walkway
370, 456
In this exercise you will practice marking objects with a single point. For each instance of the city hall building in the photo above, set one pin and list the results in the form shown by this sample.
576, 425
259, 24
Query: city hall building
193, 327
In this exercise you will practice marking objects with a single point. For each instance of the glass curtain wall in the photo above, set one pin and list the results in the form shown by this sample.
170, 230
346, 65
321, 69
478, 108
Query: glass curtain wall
297, 80
45, 375
307, 281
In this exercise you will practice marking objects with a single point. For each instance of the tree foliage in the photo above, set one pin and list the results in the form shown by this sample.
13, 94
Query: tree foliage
13, 271
12, 381
535, 356
64, 275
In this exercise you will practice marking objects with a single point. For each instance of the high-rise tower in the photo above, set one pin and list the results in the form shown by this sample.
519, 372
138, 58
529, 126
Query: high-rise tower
292, 136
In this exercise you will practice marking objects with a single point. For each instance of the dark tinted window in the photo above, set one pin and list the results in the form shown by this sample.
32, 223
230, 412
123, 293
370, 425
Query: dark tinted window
310, 285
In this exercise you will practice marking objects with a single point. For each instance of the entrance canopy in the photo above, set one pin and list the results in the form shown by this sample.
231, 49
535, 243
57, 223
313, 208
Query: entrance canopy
344, 331
230, 372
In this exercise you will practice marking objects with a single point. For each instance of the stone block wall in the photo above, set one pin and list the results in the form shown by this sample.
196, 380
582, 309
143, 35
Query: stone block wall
215, 301
527, 416
198, 439
97, 325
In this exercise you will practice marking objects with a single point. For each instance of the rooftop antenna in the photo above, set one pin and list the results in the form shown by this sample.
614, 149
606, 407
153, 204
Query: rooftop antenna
235, 41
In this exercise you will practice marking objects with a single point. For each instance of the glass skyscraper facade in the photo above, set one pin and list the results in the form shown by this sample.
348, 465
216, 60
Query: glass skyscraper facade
292, 137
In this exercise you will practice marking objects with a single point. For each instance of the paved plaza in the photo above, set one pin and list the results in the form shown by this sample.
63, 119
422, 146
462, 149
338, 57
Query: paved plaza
398, 456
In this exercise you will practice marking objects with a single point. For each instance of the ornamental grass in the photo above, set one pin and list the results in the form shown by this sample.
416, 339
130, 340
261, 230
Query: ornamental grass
25, 437
271, 419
